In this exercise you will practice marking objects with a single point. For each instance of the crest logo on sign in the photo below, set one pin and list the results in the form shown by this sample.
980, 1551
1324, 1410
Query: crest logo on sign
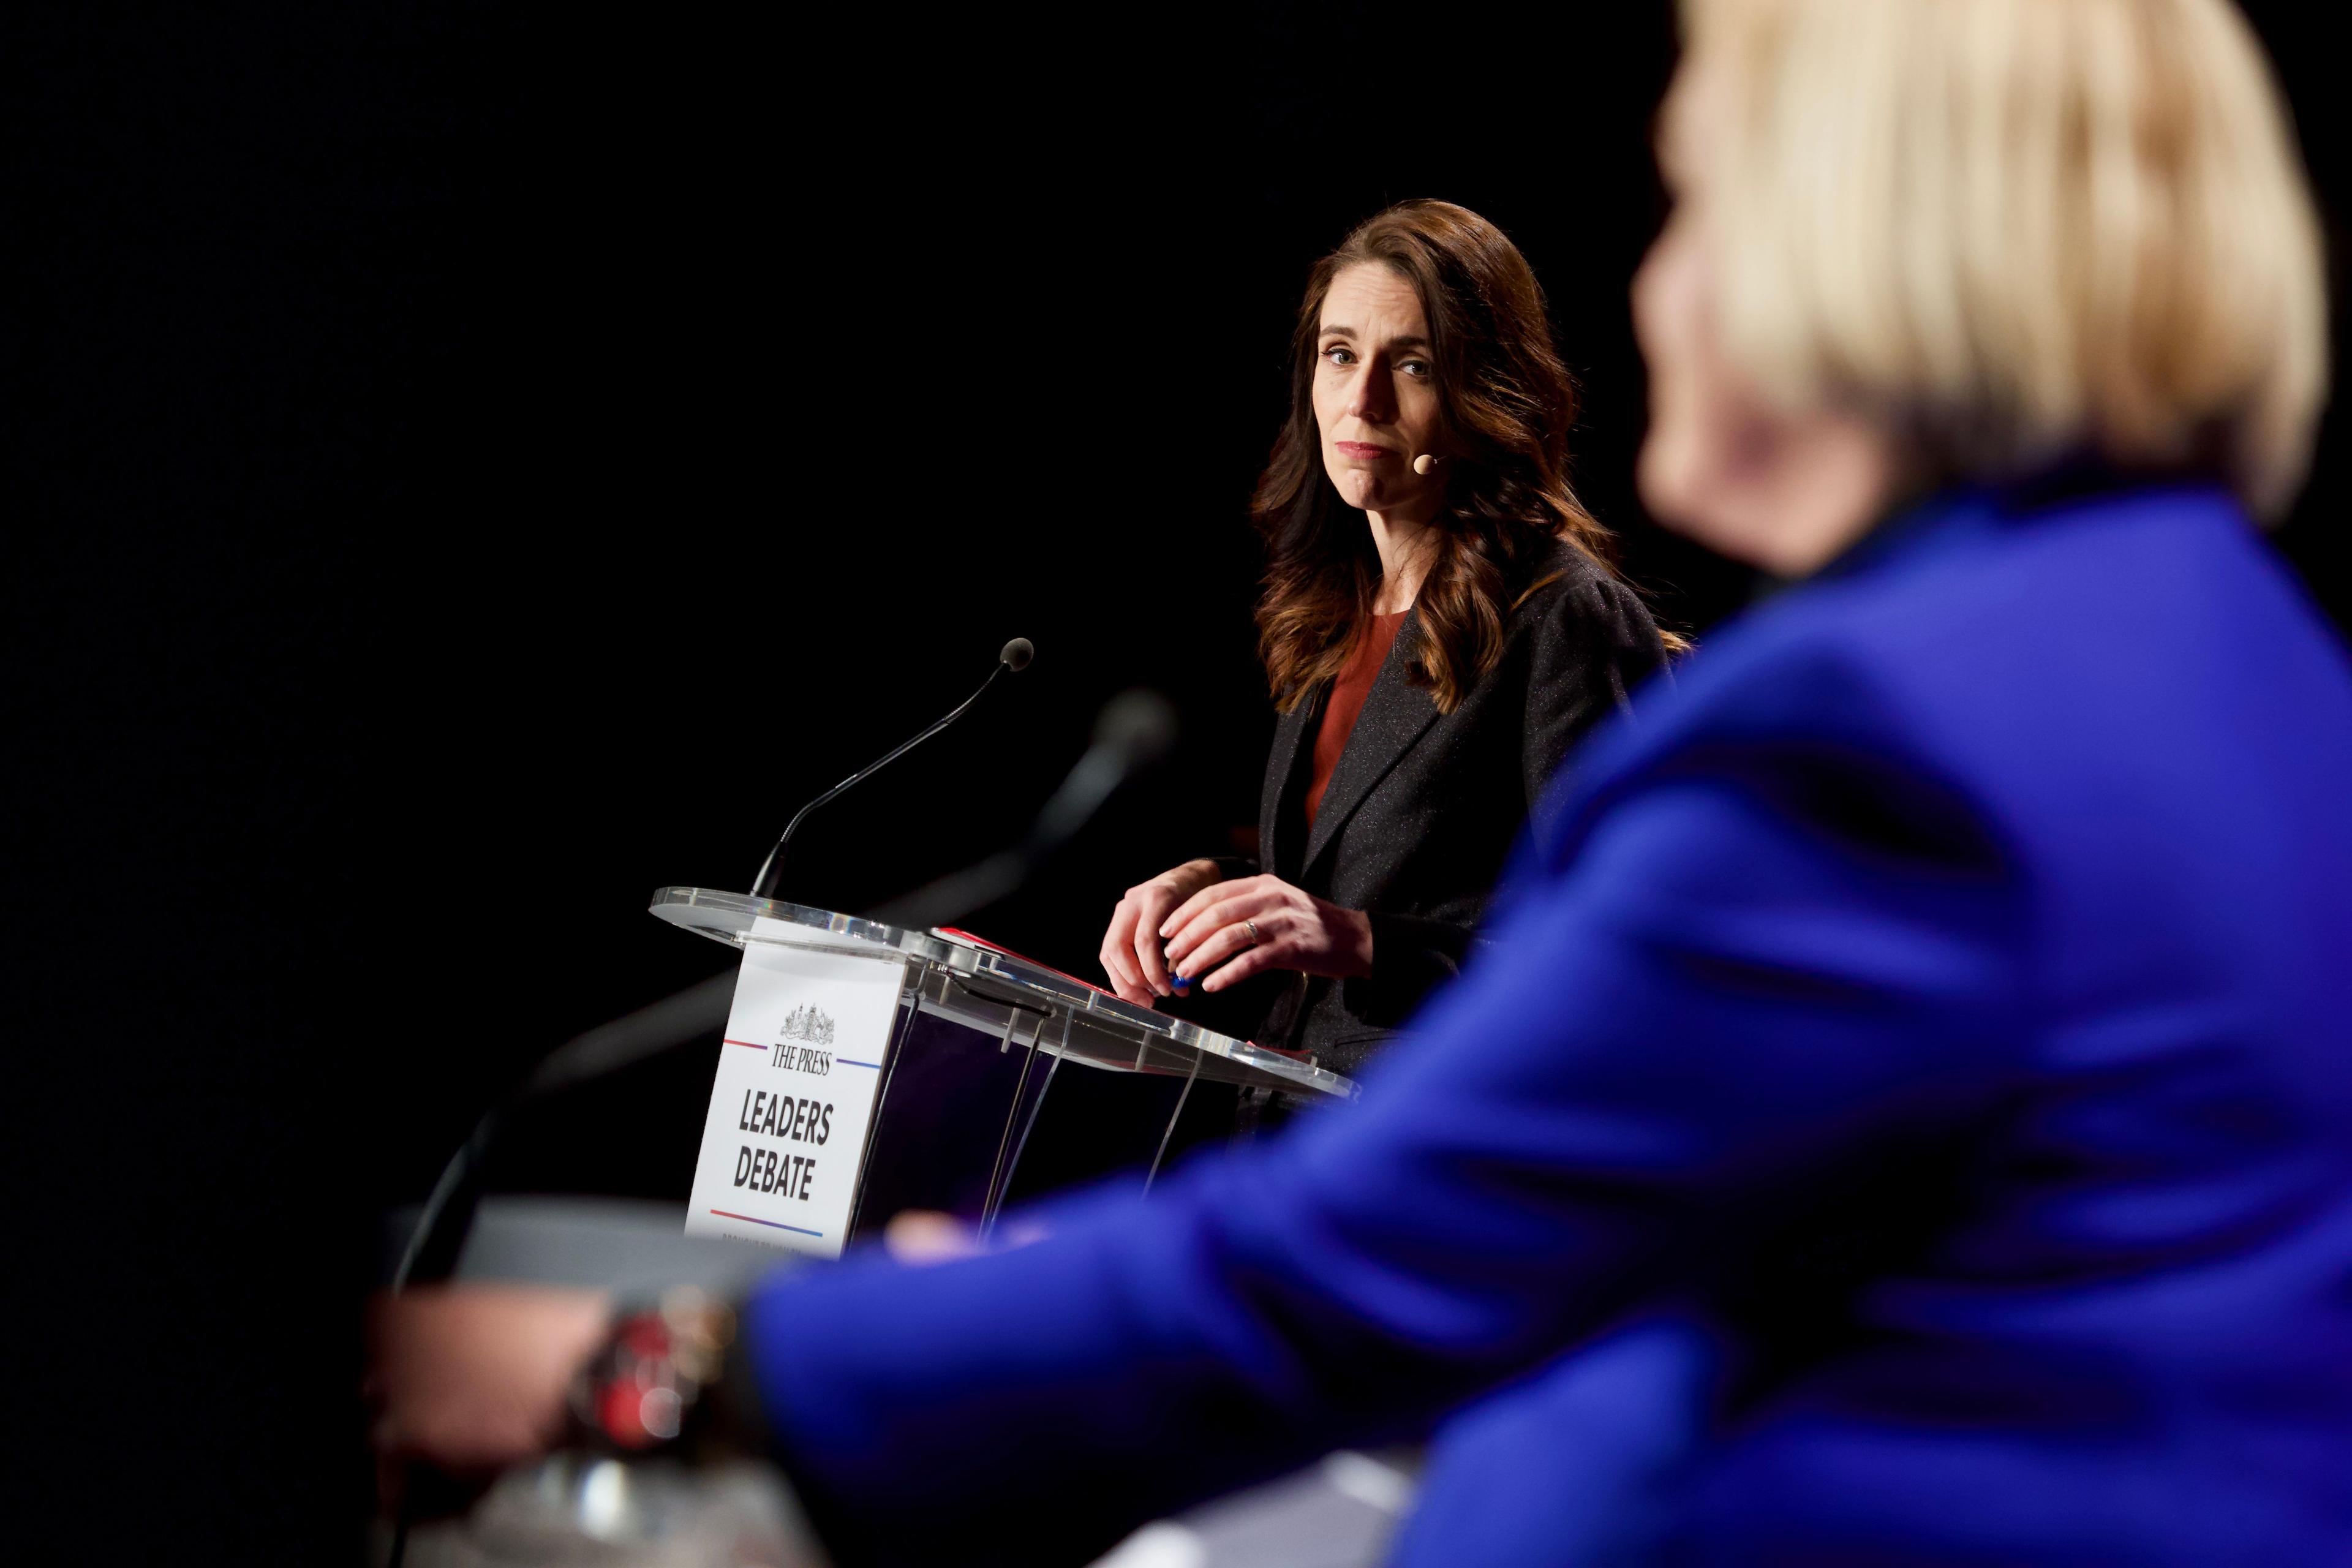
811, 1024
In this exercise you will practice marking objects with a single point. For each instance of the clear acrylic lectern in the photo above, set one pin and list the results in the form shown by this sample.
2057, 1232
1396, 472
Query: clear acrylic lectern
991, 1001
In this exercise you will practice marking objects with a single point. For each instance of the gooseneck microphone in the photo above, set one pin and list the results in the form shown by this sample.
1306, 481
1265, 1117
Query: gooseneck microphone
1016, 656
1134, 732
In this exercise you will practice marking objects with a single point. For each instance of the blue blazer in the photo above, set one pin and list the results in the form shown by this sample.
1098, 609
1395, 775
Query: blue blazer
1906, 1116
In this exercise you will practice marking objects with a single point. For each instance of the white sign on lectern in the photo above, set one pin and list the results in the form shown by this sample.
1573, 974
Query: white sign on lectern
798, 1076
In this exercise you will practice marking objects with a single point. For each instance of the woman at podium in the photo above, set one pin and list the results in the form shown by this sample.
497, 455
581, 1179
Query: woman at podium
1440, 625
1925, 1036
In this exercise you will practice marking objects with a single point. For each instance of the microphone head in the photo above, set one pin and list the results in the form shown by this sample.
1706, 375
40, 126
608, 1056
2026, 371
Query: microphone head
1139, 727
1422, 464
1017, 655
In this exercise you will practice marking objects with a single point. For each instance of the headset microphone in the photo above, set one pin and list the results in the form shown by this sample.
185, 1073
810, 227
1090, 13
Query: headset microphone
1422, 464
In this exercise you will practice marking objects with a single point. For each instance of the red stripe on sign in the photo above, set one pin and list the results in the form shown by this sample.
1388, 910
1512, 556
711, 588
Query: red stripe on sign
771, 1225
753, 1044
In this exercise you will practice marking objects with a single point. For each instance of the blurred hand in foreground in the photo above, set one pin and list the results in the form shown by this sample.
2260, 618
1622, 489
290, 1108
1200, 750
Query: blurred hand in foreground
472, 1379
928, 1236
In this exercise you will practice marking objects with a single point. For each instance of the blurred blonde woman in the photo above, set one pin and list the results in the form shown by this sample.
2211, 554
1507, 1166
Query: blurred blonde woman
1907, 1114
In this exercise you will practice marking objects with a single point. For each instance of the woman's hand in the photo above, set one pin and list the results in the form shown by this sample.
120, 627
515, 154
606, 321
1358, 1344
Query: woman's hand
921, 1237
1294, 930
1131, 947
471, 1379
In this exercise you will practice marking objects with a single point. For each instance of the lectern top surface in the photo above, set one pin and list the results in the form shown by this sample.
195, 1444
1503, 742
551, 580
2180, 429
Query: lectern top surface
984, 986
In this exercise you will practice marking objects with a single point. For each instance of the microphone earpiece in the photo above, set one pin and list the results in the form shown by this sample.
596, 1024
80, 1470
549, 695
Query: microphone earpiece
1422, 464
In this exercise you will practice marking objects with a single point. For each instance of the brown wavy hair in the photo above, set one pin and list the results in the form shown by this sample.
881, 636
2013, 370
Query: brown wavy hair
1506, 404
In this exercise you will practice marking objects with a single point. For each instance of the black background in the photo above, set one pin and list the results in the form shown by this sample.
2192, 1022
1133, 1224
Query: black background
469, 465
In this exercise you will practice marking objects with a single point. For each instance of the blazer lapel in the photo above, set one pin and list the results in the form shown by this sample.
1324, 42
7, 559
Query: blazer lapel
1290, 732
1394, 716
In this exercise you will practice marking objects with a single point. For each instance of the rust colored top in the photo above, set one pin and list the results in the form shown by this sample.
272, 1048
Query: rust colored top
1348, 694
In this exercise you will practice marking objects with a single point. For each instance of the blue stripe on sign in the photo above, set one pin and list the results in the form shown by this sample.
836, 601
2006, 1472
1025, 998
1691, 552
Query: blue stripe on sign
797, 1230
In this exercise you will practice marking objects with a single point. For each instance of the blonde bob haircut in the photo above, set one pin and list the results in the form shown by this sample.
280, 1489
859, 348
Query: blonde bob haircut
2021, 230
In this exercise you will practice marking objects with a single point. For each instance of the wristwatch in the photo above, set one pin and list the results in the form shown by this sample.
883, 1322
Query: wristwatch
659, 1383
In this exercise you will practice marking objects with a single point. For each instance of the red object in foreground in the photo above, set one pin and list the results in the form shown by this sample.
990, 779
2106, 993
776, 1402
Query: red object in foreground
622, 1418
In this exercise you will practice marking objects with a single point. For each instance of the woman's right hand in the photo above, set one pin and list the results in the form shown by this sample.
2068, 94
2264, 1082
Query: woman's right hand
1131, 950
469, 1379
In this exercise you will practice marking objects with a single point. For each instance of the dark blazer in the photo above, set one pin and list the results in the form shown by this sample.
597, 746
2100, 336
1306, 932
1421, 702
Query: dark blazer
1423, 807
1905, 1116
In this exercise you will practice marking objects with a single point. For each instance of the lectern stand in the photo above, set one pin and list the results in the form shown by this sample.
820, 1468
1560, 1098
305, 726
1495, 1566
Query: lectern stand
953, 994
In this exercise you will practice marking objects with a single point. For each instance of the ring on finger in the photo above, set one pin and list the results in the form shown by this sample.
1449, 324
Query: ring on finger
1255, 939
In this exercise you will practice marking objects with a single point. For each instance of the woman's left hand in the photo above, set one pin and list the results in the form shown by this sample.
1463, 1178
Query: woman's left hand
1211, 941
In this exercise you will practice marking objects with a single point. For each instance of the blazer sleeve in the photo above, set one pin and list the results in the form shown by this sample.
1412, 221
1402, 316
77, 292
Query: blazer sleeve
1595, 643
1759, 991
1591, 643
1412, 955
